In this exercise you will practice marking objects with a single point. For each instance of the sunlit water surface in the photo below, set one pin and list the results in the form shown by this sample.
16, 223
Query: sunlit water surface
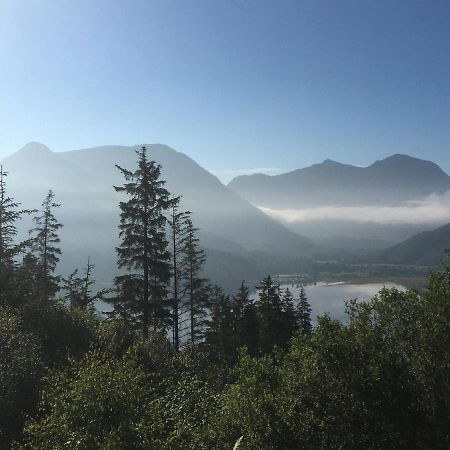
331, 297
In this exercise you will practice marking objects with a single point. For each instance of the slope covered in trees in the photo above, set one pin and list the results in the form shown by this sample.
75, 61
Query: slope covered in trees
421, 249
261, 372
221, 215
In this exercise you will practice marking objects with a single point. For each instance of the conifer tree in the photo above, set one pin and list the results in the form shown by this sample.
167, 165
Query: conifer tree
219, 334
304, 312
143, 251
289, 314
177, 225
196, 298
45, 242
78, 289
271, 317
127, 301
27, 280
9, 249
245, 323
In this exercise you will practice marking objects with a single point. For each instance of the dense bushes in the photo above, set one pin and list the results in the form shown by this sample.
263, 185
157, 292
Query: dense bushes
381, 380
21, 369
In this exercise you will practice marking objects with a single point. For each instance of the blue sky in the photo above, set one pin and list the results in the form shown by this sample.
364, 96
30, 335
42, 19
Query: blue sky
237, 85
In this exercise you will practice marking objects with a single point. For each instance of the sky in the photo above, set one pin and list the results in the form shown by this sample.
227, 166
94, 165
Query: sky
241, 86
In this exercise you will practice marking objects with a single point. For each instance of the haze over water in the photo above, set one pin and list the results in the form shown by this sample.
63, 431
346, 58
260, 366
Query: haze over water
331, 297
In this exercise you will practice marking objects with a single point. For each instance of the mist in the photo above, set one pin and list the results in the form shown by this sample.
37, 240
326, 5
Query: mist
432, 210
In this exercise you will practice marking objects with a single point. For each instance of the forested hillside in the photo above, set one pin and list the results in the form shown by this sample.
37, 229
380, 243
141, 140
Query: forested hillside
421, 249
178, 364
82, 181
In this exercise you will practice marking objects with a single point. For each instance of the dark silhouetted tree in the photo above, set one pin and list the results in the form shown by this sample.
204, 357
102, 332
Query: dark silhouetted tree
144, 247
177, 226
9, 248
195, 286
304, 312
219, 333
45, 240
289, 314
271, 317
78, 289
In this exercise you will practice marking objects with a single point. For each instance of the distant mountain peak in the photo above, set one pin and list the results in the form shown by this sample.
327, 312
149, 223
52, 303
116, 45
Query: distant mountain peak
392, 181
330, 162
399, 158
35, 148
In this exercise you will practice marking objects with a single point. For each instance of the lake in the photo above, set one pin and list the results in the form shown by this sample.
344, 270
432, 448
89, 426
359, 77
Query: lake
331, 297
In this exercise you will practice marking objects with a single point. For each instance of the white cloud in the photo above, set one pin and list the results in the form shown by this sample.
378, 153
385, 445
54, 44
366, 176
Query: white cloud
431, 210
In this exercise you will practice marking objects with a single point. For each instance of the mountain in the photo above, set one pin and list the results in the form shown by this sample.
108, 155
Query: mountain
425, 249
83, 183
387, 182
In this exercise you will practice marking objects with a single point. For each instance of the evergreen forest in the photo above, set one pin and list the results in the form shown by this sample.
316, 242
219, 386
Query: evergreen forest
164, 359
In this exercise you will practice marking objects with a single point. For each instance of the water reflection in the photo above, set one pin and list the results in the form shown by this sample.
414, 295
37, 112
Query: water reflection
331, 297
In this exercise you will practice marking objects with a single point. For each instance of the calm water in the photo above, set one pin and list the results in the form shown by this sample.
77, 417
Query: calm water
331, 297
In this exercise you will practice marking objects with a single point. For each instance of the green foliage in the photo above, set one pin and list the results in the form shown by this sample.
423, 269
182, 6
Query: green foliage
220, 330
9, 249
379, 380
276, 316
181, 418
77, 290
116, 337
195, 288
62, 331
144, 247
304, 312
177, 226
20, 370
96, 403
45, 241
249, 407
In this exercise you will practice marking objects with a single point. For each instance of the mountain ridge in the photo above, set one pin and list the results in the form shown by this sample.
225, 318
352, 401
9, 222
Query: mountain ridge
392, 180
83, 183
425, 248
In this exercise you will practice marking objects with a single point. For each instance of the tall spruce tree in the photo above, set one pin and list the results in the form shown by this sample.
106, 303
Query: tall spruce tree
249, 336
270, 315
195, 303
8, 217
289, 314
178, 235
143, 251
245, 321
239, 303
9, 248
219, 332
304, 312
45, 240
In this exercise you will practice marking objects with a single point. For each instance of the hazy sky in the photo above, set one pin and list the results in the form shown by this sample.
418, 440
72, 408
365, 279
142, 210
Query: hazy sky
237, 85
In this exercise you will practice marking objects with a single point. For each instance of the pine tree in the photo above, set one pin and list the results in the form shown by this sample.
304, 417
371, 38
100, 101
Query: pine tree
9, 249
245, 325
271, 317
219, 334
304, 312
177, 225
127, 301
45, 242
196, 298
28, 280
78, 289
250, 329
289, 315
143, 251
